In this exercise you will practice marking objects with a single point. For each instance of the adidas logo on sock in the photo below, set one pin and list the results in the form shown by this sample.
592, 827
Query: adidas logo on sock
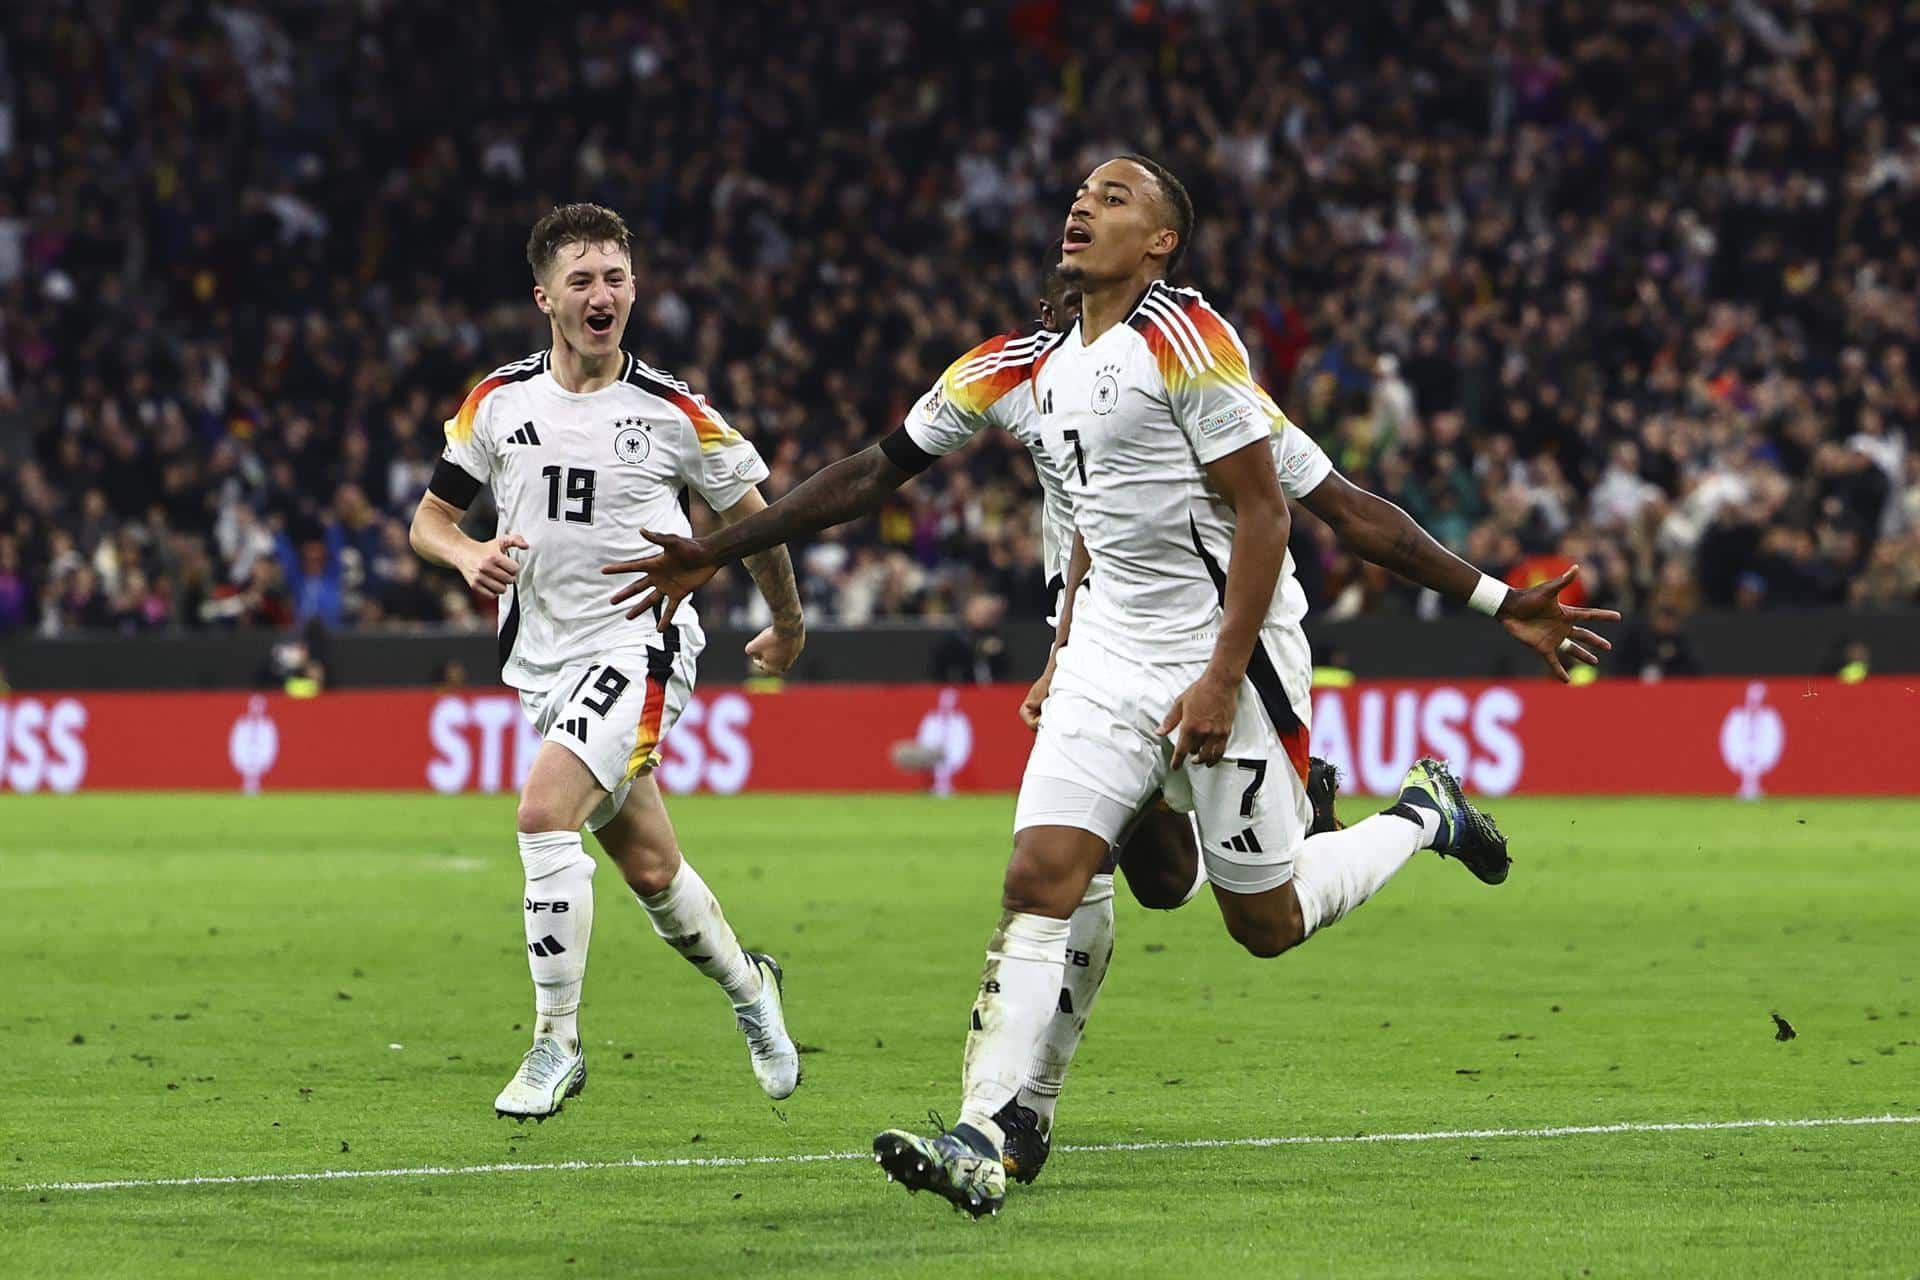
1245, 842
547, 946
525, 435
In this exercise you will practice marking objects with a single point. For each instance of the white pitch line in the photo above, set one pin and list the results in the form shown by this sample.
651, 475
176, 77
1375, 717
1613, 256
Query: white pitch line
1103, 1148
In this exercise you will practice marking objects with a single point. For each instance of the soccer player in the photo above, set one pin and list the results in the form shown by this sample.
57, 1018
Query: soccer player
992, 385
1174, 663
584, 446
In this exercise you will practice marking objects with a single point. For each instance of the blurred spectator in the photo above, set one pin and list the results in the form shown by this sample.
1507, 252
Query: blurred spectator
1627, 284
976, 653
1657, 647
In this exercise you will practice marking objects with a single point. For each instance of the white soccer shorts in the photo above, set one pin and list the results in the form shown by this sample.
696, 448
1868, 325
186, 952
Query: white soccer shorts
613, 711
1098, 758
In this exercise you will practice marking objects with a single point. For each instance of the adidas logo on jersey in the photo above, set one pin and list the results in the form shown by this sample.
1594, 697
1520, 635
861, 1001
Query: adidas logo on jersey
525, 435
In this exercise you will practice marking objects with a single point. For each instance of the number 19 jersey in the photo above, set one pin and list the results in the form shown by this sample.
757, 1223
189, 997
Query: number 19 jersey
579, 476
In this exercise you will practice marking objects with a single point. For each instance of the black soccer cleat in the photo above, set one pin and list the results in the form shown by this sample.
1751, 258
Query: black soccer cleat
1466, 834
1323, 787
1025, 1145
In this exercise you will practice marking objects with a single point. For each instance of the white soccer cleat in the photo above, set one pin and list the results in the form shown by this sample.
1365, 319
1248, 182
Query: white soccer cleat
776, 1062
548, 1076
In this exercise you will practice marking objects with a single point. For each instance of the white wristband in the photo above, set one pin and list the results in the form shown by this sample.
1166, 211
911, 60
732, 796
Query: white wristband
1488, 595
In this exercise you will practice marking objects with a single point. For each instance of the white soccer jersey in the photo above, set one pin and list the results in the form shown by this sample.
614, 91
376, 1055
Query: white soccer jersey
578, 476
991, 386
1131, 419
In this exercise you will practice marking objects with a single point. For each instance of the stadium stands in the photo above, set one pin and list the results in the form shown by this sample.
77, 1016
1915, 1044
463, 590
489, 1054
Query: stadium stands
1627, 284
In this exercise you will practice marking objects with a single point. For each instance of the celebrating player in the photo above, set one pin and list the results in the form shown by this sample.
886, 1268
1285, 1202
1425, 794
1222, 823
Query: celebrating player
992, 385
1185, 660
584, 447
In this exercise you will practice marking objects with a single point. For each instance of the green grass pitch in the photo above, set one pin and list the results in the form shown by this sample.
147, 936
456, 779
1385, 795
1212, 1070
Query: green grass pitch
287, 985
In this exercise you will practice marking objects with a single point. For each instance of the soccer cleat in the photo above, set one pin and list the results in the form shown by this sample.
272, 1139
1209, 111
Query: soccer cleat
547, 1077
1027, 1143
958, 1165
1466, 833
1323, 787
776, 1061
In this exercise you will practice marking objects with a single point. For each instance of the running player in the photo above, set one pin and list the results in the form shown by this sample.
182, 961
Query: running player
584, 446
992, 385
1181, 668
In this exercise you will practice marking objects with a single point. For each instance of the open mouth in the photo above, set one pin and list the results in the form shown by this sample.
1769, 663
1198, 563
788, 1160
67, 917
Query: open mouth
1076, 239
602, 324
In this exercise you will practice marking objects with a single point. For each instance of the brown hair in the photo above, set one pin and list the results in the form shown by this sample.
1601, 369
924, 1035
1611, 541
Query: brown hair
583, 224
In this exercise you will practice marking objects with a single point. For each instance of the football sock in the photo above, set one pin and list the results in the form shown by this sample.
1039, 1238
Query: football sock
688, 917
1089, 948
1336, 871
557, 909
1019, 989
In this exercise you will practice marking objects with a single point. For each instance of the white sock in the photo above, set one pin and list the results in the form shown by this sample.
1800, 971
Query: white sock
557, 909
1089, 949
688, 917
1019, 988
1336, 871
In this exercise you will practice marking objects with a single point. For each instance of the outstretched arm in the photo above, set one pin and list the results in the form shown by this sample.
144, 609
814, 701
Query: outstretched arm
1202, 717
1377, 530
833, 495
774, 650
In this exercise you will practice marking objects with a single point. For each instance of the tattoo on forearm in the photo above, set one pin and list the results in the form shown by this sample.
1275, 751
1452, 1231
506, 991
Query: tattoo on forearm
772, 572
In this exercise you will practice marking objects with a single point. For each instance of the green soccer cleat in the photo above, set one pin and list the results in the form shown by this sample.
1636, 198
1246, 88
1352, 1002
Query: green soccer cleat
1466, 834
547, 1077
959, 1165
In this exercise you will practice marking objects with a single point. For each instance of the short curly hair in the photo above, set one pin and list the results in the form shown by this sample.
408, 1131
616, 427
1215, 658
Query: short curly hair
582, 224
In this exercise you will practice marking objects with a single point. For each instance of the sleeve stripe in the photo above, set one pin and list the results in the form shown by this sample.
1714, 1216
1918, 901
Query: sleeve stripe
1178, 342
1180, 308
708, 428
1026, 352
1023, 351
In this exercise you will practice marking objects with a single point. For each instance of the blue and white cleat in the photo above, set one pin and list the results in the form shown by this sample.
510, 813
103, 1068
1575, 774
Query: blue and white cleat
958, 1165
547, 1077
1466, 834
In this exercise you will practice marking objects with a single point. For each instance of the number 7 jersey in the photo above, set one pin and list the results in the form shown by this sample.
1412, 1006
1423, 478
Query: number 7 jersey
579, 476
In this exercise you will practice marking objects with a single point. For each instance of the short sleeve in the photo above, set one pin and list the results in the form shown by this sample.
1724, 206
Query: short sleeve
1302, 463
961, 403
469, 444
722, 465
1210, 389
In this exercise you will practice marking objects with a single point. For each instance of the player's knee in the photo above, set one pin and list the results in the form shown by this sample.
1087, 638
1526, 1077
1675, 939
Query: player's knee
1266, 938
538, 813
1160, 889
1030, 886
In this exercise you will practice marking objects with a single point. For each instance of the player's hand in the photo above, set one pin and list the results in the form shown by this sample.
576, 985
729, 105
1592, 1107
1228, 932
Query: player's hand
489, 568
776, 649
680, 567
1030, 705
1536, 618
1201, 720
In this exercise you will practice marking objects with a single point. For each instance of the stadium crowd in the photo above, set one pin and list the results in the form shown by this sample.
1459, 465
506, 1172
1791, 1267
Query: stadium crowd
1627, 284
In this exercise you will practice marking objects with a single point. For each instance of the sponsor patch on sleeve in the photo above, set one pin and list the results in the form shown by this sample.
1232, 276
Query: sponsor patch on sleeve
747, 468
1225, 419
